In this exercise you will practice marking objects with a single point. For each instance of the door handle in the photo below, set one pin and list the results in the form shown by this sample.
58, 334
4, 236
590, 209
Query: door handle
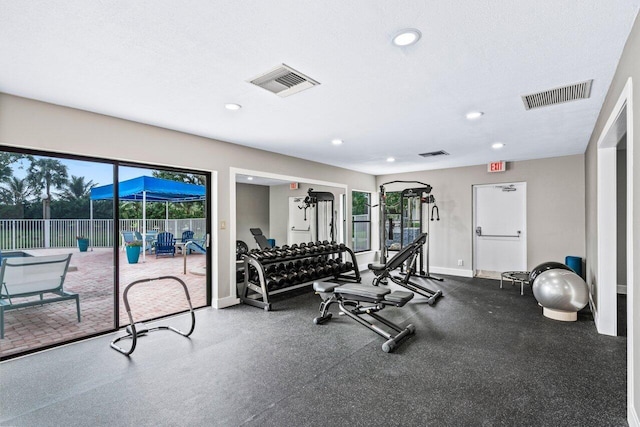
479, 233
208, 241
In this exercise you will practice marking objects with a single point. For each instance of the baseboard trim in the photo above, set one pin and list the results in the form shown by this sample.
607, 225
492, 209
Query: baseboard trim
225, 302
451, 271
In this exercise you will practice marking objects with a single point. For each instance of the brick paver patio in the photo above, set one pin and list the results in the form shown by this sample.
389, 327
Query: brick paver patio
91, 276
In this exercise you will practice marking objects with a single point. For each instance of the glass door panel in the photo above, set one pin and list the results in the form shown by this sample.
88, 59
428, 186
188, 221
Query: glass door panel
47, 215
162, 232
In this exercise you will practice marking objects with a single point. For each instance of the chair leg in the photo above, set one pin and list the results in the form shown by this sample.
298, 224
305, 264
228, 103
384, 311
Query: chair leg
78, 306
1, 322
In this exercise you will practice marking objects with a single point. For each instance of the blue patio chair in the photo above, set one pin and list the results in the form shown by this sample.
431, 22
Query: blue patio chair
165, 244
187, 236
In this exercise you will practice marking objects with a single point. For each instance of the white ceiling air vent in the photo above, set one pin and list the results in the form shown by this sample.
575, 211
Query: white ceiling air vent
283, 81
558, 95
434, 153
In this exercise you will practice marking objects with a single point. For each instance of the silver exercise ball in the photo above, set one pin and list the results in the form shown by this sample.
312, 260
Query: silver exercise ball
561, 290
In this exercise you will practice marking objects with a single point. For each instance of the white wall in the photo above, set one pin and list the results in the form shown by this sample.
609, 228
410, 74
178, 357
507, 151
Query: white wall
252, 211
555, 209
41, 126
628, 67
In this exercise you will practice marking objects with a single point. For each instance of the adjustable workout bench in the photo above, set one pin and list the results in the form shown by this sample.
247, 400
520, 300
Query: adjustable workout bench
408, 254
352, 296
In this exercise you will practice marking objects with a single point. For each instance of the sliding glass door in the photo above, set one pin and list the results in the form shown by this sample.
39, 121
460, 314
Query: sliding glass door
75, 232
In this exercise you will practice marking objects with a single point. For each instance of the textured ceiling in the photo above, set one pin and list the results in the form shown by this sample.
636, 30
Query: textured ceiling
175, 65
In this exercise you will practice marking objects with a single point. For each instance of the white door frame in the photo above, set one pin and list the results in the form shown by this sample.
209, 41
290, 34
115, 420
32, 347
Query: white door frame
605, 313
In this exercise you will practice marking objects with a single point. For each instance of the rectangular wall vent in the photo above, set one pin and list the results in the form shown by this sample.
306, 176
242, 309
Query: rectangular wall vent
283, 81
434, 153
558, 95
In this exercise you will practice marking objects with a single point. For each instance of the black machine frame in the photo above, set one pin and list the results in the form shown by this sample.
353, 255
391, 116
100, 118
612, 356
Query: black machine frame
355, 301
425, 197
406, 257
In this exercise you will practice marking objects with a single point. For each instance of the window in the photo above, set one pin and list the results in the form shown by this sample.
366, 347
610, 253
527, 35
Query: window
361, 221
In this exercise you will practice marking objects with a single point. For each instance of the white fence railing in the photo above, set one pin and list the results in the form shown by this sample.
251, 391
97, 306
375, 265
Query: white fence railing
16, 234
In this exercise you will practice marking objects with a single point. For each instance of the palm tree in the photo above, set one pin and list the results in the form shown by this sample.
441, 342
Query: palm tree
76, 188
17, 191
44, 173
6, 159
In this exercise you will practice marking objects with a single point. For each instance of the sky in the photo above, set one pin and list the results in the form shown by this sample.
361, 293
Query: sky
99, 173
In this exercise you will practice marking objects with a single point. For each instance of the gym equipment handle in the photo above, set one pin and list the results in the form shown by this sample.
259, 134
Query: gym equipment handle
479, 233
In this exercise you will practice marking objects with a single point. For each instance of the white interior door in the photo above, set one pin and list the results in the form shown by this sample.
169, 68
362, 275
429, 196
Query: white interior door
301, 221
500, 228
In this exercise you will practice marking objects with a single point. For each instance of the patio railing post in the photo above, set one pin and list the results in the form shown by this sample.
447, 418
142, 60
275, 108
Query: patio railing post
13, 235
47, 233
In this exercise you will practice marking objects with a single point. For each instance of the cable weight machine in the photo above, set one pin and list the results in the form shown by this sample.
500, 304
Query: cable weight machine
412, 201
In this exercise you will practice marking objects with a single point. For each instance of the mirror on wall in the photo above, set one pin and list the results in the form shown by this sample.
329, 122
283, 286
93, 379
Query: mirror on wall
287, 212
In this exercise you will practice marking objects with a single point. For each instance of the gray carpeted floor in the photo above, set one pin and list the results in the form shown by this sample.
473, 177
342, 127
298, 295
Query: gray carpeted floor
480, 356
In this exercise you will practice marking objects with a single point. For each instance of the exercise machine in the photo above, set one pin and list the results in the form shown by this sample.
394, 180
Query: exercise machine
323, 202
406, 257
135, 330
356, 300
412, 201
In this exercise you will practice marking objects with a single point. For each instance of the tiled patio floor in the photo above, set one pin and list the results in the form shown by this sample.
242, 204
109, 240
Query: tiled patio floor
91, 276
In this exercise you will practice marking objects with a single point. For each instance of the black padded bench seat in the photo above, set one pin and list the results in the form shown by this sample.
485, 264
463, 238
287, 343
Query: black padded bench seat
350, 298
376, 267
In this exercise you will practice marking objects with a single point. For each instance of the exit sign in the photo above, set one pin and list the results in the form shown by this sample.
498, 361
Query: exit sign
497, 166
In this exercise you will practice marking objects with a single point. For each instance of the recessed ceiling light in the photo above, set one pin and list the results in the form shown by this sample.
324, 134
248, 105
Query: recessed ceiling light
407, 37
249, 178
232, 107
472, 115
497, 145
390, 159
337, 141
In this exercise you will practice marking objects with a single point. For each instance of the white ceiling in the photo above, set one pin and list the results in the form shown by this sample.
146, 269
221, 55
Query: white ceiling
175, 65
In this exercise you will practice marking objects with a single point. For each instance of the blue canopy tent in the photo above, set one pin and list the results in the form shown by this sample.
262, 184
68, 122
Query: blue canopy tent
149, 189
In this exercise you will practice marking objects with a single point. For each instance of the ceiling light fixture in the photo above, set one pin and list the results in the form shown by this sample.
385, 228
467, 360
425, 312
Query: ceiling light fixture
337, 141
249, 178
390, 159
473, 115
407, 37
497, 145
233, 107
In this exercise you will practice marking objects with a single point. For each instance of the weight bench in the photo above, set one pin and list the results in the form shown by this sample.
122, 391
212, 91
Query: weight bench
356, 300
408, 255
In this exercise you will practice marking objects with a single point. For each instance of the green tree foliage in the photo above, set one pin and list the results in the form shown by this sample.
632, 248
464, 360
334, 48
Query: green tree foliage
76, 189
180, 177
44, 173
393, 202
6, 161
359, 203
16, 191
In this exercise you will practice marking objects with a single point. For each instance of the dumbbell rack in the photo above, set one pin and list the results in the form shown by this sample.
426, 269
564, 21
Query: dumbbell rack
257, 293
